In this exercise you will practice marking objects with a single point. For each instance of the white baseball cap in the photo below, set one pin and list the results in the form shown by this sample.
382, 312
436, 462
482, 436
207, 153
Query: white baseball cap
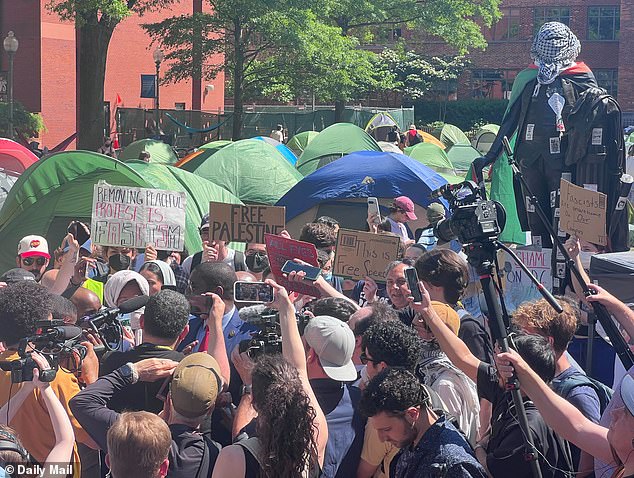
33, 246
333, 342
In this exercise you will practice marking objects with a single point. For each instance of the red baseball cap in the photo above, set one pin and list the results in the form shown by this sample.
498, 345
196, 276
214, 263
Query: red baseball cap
407, 205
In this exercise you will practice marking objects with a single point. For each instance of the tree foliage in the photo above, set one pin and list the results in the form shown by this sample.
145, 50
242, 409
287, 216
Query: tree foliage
26, 124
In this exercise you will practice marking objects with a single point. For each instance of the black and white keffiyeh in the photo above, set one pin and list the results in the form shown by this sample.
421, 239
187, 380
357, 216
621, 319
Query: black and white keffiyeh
554, 49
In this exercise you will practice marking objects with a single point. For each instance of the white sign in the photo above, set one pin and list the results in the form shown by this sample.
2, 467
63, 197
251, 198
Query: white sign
135, 217
518, 287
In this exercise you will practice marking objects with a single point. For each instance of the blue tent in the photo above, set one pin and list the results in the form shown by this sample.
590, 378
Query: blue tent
281, 147
339, 189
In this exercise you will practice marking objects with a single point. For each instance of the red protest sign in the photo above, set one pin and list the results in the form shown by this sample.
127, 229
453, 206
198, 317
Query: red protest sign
281, 249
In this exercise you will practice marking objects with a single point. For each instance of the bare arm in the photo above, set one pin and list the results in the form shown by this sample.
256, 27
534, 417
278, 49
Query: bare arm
456, 349
67, 268
216, 347
573, 247
293, 351
245, 412
559, 414
621, 312
64, 436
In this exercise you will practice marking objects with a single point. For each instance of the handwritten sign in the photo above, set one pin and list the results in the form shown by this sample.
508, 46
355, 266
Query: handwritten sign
281, 249
134, 217
239, 223
583, 213
360, 254
518, 287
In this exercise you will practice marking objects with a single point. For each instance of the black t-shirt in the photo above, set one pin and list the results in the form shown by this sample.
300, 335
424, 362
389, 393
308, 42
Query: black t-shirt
506, 451
187, 451
474, 334
141, 395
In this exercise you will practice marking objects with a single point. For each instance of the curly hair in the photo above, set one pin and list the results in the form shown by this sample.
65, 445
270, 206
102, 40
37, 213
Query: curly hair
393, 391
336, 307
22, 305
11, 456
285, 419
166, 314
380, 313
444, 268
319, 234
394, 343
545, 321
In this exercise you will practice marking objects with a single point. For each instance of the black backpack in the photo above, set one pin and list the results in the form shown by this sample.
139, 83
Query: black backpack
565, 386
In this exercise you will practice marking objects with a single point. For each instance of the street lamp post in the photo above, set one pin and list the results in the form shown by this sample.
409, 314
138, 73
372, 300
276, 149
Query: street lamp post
158, 56
10, 46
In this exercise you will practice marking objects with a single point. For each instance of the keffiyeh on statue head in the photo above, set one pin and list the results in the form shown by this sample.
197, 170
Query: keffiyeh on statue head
554, 49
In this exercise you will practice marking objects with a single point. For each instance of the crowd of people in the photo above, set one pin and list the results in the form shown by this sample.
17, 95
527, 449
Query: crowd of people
363, 381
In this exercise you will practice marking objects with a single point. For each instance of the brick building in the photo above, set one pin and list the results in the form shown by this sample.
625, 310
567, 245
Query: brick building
46, 66
604, 27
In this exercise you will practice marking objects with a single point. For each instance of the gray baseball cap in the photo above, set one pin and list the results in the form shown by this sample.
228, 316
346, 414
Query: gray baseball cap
333, 342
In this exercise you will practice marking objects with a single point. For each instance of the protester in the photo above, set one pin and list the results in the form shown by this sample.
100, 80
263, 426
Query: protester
16, 275
86, 302
118, 259
396, 286
63, 309
321, 234
413, 252
12, 451
158, 275
402, 415
401, 212
502, 450
435, 212
278, 133
329, 221
107, 148
412, 136
33, 255
291, 427
362, 320
336, 307
256, 259
124, 285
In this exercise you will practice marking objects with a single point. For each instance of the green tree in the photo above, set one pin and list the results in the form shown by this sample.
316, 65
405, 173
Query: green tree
256, 39
96, 21
25, 124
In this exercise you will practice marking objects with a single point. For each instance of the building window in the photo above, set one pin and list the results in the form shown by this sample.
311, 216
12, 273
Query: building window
507, 29
543, 15
492, 84
179, 106
604, 23
607, 79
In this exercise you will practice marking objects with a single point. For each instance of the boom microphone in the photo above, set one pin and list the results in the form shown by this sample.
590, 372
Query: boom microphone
128, 306
60, 333
447, 189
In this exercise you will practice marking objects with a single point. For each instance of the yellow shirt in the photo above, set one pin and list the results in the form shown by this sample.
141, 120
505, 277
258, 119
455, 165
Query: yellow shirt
377, 453
95, 286
32, 422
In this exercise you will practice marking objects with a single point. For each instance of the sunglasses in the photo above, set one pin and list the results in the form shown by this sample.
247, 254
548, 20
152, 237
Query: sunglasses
28, 261
365, 359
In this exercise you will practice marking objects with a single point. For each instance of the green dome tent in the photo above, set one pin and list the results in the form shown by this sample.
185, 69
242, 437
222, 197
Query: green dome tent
462, 155
252, 170
159, 151
195, 159
450, 135
298, 143
199, 193
332, 143
484, 137
435, 158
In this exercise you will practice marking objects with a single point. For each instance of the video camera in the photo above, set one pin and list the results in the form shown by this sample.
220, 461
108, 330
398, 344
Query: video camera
54, 340
474, 218
268, 340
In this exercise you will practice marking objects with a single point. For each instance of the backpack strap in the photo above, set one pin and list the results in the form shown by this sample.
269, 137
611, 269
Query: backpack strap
206, 468
253, 446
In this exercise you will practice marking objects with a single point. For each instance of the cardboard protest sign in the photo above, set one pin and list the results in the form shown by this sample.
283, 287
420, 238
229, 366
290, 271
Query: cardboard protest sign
360, 254
583, 212
134, 217
281, 249
241, 223
518, 287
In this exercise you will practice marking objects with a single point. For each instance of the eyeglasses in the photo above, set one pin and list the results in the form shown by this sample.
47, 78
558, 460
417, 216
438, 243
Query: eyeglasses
365, 359
28, 261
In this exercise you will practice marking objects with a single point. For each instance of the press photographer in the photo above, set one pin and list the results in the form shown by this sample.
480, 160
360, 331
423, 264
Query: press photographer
22, 306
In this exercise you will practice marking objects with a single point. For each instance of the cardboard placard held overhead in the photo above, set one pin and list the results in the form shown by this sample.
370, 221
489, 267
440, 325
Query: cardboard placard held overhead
360, 254
135, 217
281, 249
242, 223
583, 212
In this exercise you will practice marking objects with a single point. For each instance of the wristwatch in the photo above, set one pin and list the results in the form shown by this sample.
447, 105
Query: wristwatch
129, 372
245, 390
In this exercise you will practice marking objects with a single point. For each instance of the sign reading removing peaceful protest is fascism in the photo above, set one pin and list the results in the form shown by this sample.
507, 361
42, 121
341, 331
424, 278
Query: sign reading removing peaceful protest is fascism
241, 223
135, 217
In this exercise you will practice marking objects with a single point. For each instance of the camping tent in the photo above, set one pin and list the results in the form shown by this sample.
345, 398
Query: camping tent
462, 155
380, 125
59, 188
159, 151
281, 147
332, 143
430, 138
340, 189
484, 137
252, 170
389, 147
195, 159
450, 135
435, 158
15, 158
298, 143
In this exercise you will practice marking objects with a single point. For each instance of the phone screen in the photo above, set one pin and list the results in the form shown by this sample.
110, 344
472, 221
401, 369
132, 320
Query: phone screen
254, 292
312, 272
412, 283
200, 304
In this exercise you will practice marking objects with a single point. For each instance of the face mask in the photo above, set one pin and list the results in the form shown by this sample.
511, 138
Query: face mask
257, 262
327, 276
119, 262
